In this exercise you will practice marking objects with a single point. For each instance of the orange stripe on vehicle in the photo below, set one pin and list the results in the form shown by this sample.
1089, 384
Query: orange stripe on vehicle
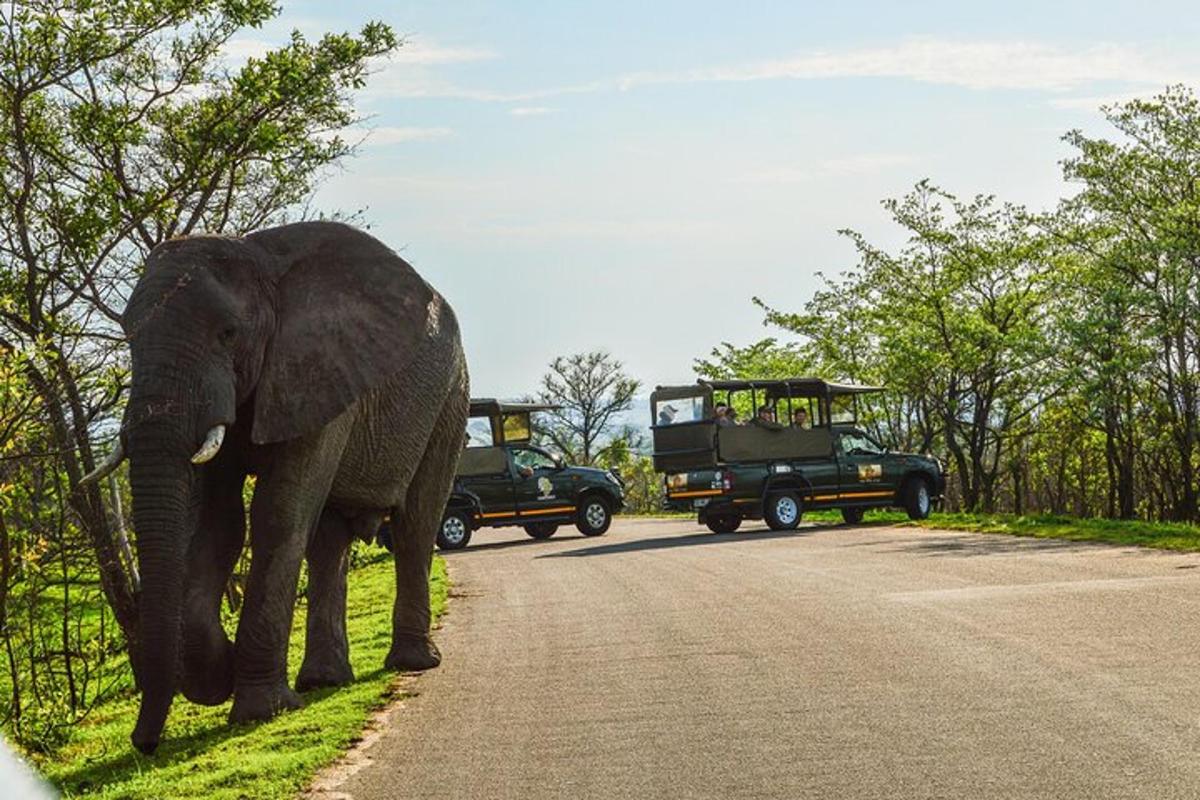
498, 514
562, 510
851, 495
697, 493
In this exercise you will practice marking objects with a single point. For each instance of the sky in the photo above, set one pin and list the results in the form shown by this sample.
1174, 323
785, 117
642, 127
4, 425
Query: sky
628, 175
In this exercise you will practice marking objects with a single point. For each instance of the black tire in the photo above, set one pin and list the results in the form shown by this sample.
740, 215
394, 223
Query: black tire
541, 530
724, 523
782, 511
853, 516
593, 516
916, 499
455, 531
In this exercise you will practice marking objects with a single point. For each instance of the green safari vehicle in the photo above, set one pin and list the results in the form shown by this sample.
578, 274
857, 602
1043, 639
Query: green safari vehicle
505, 480
799, 448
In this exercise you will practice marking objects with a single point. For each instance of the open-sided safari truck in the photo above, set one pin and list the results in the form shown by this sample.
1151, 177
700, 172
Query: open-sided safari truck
503, 480
769, 449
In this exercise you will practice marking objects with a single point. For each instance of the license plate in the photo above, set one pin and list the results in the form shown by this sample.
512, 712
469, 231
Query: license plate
700, 503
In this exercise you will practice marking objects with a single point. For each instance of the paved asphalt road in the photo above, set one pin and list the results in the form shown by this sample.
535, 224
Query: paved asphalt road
832, 662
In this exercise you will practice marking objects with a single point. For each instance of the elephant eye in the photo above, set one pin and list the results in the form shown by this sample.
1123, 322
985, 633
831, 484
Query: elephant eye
227, 334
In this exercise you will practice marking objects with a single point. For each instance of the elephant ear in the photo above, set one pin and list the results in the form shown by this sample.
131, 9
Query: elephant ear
350, 315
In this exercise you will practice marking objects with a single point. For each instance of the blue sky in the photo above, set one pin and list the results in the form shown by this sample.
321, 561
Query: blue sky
627, 175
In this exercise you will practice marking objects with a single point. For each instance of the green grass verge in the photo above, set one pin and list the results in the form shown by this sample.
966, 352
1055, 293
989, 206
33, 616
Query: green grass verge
203, 756
1159, 535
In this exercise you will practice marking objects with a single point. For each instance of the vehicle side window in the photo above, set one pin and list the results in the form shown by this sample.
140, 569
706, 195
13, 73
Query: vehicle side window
532, 459
479, 432
853, 444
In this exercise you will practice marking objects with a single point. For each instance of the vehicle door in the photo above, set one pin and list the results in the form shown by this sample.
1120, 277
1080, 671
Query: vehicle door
864, 472
542, 487
493, 488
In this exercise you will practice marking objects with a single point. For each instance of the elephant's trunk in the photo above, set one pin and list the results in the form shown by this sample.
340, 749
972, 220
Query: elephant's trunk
161, 480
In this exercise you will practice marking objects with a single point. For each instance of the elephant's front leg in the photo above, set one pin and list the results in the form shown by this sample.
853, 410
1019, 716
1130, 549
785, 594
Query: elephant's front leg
282, 517
214, 549
326, 649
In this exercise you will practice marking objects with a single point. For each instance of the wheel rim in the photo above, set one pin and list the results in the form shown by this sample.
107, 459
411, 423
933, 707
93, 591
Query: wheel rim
923, 499
786, 510
595, 515
453, 530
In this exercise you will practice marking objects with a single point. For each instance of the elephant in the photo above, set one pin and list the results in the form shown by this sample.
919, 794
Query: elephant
312, 357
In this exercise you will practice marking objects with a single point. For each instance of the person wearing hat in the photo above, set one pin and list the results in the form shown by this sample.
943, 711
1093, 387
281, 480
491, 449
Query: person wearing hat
666, 414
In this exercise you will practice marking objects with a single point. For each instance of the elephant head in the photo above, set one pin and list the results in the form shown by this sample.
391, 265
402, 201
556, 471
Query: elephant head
272, 335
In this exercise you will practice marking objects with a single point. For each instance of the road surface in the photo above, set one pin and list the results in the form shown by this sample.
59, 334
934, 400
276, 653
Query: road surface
663, 661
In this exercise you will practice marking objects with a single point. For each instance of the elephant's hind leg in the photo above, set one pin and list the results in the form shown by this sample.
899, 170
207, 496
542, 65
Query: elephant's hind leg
326, 649
413, 537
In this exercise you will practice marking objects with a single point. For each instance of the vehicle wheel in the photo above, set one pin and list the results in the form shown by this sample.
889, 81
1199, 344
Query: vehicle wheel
916, 499
724, 523
541, 530
853, 516
593, 517
782, 511
455, 531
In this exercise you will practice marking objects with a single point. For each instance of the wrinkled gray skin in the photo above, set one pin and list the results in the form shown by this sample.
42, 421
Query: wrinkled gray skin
341, 377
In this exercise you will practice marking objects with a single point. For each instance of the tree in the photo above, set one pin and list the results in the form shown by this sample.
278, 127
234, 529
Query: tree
590, 391
1138, 222
122, 126
951, 323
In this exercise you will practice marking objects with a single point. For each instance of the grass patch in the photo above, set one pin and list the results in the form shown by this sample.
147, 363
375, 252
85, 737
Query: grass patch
203, 756
1159, 535
1135, 533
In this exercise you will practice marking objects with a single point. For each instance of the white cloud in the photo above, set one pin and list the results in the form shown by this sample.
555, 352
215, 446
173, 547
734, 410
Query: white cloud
394, 135
969, 64
529, 111
237, 51
860, 164
976, 65
425, 52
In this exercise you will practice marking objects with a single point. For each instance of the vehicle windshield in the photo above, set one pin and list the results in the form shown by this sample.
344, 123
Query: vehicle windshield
858, 444
679, 410
532, 459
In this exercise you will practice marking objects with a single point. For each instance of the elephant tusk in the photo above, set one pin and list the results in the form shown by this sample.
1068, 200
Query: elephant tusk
212, 444
107, 466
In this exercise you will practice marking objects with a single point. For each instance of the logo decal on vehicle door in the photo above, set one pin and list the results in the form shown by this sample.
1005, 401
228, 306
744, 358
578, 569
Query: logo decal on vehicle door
870, 472
546, 488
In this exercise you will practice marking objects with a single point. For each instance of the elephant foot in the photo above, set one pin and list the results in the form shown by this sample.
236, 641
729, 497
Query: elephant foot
317, 674
256, 703
208, 671
412, 654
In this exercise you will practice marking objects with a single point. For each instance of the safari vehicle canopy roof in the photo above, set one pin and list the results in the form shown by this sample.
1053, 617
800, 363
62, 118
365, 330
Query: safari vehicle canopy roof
796, 387
489, 407
509, 422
